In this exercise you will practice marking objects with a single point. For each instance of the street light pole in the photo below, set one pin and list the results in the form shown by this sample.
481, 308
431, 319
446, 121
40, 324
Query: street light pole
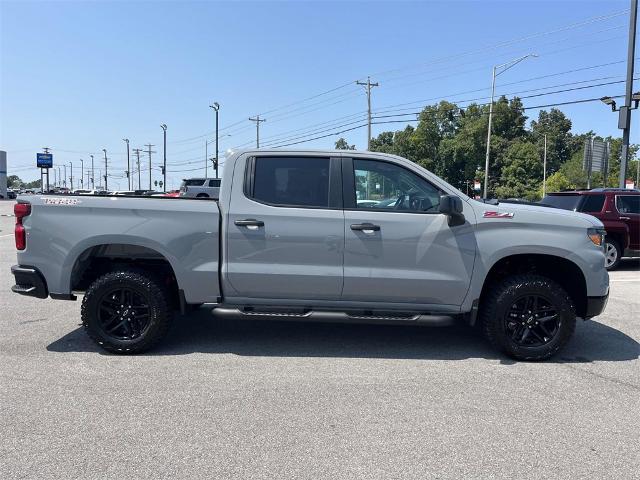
544, 168
126, 140
81, 173
93, 178
71, 177
216, 107
624, 119
164, 152
497, 70
106, 186
64, 166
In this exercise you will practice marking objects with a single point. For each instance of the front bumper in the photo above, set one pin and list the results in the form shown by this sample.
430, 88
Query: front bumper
596, 305
29, 281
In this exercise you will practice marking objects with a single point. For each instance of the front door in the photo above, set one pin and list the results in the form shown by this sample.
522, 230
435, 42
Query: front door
628, 207
285, 229
398, 248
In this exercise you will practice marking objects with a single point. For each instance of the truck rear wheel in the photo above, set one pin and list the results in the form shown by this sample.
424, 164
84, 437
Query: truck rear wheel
528, 317
126, 311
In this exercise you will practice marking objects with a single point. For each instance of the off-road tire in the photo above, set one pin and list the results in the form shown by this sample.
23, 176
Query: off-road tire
498, 303
144, 283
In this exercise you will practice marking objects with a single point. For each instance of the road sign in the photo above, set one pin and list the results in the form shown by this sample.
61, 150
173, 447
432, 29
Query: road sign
45, 160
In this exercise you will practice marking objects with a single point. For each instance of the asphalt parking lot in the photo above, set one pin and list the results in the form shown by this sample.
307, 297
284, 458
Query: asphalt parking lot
251, 399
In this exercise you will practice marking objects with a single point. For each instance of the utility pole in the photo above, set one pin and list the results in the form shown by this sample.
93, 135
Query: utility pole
126, 140
216, 107
624, 119
544, 168
137, 153
368, 86
88, 178
81, 173
149, 151
71, 177
257, 119
64, 182
106, 174
93, 178
497, 70
55, 178
164, 154
59, 177
206, 158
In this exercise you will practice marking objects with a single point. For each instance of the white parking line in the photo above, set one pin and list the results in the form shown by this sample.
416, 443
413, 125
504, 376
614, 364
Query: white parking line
625, 280
9, 235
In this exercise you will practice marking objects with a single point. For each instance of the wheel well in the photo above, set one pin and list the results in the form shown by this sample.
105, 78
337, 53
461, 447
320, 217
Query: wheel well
564, 272
618, 237
100, 259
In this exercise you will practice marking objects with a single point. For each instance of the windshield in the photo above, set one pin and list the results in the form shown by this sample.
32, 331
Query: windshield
566, 202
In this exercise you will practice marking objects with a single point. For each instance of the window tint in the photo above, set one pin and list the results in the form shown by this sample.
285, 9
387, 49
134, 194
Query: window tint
593, 203
292, 181
193, 182
385, 186
214, 183
566, 202
628, 203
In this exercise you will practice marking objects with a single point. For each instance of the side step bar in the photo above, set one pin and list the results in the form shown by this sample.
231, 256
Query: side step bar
333, 316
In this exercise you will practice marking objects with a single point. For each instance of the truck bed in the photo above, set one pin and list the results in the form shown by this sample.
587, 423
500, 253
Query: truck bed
63, 230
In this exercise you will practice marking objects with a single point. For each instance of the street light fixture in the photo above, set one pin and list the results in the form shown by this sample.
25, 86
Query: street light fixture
498, 70
609, 101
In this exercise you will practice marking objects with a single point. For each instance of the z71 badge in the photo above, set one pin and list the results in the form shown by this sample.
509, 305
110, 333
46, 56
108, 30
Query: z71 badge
62, 201
492, 214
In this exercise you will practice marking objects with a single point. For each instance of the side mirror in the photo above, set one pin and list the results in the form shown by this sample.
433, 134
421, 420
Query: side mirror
451, 206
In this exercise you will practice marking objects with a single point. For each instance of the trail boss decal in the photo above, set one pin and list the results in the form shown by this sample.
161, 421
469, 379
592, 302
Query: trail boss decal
62, 201
492, 214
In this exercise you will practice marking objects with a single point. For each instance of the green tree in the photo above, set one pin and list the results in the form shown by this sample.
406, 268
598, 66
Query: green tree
13, 181
342, 144
522, 173
557, 127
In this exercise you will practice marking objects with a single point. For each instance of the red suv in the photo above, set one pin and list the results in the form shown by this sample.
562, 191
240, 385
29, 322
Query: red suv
618, 209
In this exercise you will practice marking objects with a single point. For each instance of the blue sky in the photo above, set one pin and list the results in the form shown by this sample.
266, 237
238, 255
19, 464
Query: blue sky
81, 76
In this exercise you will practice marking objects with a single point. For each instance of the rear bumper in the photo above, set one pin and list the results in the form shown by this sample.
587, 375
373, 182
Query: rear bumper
29, 281
596, 305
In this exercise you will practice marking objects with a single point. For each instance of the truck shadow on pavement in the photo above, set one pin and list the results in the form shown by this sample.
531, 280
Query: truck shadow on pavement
200, 332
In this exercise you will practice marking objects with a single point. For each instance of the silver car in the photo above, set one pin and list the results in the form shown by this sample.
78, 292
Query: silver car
200, 187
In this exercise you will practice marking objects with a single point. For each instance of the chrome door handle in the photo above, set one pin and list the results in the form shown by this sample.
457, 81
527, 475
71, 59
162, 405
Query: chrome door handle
625, 218
250, 223
365, 227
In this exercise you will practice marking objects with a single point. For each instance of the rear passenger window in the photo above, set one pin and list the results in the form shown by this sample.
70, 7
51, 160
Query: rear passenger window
291, 181
214, 183
628, 203
593, 203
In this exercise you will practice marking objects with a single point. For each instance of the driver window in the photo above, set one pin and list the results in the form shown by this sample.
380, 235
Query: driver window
388, 187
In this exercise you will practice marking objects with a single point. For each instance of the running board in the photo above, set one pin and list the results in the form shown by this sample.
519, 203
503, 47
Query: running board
302, 314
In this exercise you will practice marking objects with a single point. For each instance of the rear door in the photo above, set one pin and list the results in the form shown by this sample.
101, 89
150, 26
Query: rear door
285, 234
398, 247
628, 207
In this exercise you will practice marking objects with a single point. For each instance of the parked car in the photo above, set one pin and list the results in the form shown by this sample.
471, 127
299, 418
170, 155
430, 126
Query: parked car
619, 211
287, 239
200, 187
11, 195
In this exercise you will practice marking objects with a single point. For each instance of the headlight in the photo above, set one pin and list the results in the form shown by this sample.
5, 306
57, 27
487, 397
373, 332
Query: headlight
596, 235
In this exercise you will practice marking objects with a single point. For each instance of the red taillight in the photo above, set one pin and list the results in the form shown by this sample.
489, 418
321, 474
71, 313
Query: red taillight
21, 210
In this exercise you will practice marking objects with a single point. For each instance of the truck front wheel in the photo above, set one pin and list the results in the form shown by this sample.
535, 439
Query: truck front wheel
126, 311
528, 317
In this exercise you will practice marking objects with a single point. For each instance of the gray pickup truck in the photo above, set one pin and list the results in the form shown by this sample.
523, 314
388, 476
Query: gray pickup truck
316, 235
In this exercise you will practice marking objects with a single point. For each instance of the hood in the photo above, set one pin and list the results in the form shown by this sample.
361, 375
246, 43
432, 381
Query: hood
537, 214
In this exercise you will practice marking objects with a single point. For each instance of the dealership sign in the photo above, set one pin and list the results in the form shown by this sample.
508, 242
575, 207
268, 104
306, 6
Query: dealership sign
44, 160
